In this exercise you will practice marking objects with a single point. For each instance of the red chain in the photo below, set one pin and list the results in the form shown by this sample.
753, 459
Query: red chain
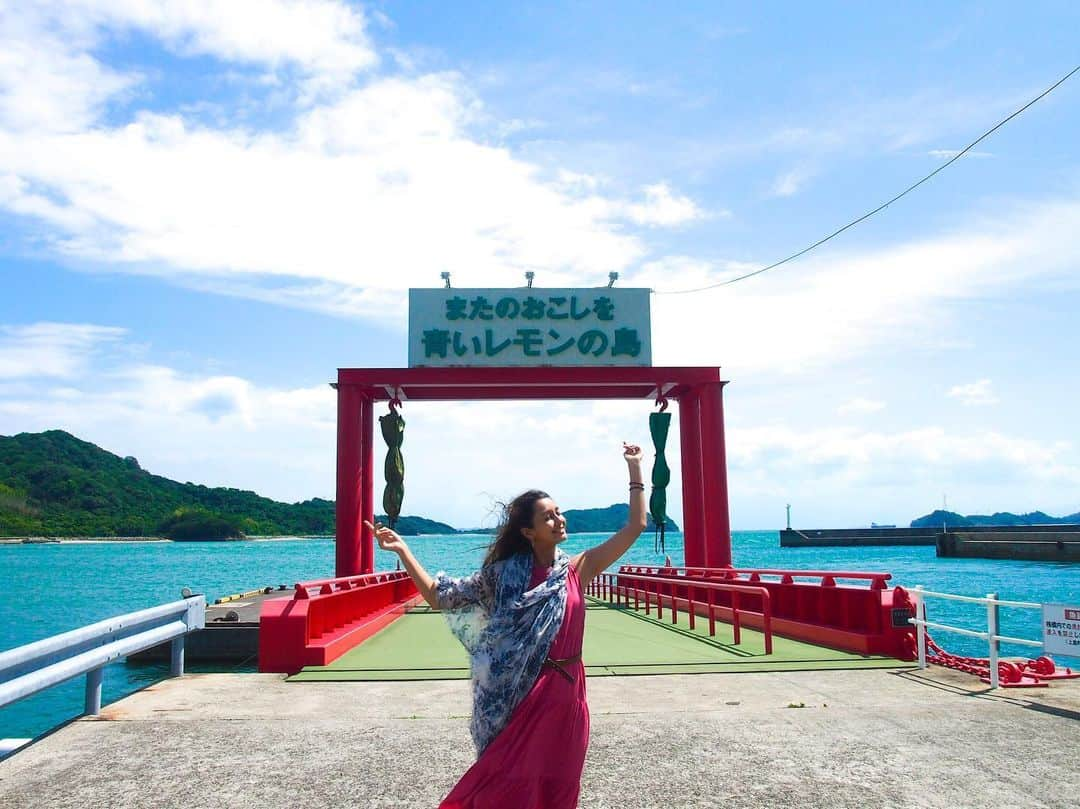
1008, 671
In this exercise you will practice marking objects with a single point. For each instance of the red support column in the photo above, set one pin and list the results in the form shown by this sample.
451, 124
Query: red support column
714, 477
367, 484
692, 493
347, 511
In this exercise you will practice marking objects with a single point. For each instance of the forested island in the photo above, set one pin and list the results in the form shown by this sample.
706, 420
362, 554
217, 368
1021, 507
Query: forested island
950, 519
53, 484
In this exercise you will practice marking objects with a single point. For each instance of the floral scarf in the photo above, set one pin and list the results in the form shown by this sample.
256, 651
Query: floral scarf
507, 631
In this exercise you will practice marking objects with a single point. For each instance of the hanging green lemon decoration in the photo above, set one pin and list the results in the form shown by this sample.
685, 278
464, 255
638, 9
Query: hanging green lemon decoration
659, 424
393, 431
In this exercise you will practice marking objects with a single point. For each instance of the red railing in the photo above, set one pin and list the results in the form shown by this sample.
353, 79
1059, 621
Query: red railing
306, 589
862, 614
828, 577
620, 585
325, 618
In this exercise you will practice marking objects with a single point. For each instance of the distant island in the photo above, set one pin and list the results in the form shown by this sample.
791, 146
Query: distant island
950, 519
593, 520
53, 484
612, 518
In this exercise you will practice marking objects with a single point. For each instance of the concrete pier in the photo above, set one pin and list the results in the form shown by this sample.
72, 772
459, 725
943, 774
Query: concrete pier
231, 633
794, 739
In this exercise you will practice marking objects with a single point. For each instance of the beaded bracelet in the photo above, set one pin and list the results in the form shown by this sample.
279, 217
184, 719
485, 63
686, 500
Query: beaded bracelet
639, 486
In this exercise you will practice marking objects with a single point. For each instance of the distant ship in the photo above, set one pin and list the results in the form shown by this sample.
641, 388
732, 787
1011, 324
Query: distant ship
876, 525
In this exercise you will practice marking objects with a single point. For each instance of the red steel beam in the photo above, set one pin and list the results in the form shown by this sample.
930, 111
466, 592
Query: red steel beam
540, 382
348, 504
714, 477
692, 494
367, 486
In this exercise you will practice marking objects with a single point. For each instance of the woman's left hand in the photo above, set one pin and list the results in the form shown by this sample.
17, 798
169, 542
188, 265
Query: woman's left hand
632, 453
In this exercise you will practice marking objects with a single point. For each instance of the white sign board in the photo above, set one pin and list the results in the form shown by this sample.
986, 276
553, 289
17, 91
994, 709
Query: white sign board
1061, 629
530, 327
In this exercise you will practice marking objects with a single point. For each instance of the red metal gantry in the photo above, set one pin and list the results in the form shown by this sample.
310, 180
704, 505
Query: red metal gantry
325, 618
699, 392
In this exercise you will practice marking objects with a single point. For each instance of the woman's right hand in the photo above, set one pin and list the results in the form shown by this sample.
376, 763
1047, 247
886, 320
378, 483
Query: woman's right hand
388, 538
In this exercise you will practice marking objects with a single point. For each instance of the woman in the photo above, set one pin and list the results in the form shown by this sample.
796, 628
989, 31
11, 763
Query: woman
522, 618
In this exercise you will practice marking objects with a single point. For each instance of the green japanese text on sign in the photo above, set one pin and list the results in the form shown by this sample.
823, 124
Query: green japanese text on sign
529, 327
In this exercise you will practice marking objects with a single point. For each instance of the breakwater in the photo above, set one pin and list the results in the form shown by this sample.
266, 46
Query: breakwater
1047, 543
1039, 543
857, 537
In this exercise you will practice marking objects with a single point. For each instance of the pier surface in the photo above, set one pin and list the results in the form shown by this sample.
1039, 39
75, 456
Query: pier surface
794, 739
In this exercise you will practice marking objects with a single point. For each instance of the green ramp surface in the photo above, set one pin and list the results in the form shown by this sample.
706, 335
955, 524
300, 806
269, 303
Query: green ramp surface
618, 641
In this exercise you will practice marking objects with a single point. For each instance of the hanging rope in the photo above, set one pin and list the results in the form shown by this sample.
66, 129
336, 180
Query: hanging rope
659, 424
393, 431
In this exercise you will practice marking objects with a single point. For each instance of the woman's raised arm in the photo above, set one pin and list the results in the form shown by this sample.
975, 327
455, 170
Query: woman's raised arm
596, 560
390, 540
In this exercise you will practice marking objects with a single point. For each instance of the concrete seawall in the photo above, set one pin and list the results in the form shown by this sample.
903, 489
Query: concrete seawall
839, 537
1045, 543
1040, 546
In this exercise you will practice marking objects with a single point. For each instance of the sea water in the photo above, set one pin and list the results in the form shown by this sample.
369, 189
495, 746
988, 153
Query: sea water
52, 588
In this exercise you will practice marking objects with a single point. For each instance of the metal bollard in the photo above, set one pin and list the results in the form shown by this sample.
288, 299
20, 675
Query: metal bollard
177, 662
93, 691
992, 615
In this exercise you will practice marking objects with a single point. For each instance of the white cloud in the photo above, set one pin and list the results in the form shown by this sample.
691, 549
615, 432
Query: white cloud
844, 465
45, 84
836, 477
664, 208
376, 187
860, 405
945, 154
61, 350
322, 38
790, 183
381, 190
974, 393
835, 305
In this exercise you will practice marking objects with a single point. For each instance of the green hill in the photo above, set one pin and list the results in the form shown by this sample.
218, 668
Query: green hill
592, 520
612, 518
938, 518
409, 526
54, 484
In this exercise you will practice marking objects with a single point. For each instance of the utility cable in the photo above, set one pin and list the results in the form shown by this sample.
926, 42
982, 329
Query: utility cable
884, 205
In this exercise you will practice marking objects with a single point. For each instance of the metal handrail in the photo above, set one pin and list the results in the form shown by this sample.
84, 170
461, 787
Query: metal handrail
607, 583
991, 636
33, 667
818, 574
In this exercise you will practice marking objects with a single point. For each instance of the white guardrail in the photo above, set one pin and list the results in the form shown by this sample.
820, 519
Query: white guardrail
26, 670
991, 636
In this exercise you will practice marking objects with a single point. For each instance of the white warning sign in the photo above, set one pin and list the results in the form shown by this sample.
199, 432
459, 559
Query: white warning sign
1061, 629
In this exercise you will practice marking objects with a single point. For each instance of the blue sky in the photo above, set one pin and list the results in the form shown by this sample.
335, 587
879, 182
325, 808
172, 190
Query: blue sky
206, 209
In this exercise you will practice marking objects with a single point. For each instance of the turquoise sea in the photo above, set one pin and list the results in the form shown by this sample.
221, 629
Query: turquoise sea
56, 587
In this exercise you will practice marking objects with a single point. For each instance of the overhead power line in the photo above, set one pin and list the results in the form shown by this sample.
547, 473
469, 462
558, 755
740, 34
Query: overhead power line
883, 205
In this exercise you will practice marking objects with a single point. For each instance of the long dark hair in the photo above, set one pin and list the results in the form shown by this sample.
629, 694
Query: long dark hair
518, 514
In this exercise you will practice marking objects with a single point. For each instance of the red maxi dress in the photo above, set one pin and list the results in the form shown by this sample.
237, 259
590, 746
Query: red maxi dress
536, 761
